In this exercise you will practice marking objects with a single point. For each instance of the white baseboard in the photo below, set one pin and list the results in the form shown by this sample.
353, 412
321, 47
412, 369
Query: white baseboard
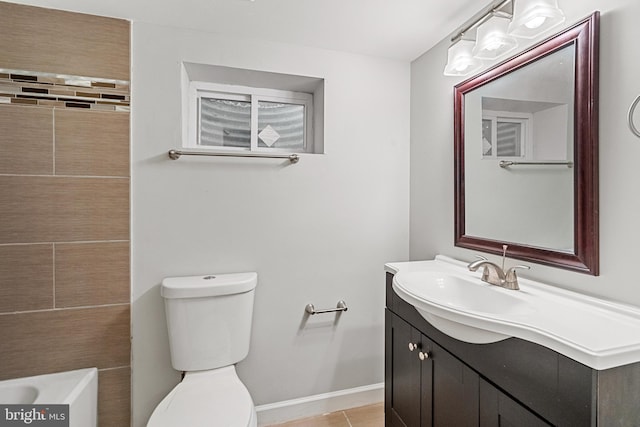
318, 404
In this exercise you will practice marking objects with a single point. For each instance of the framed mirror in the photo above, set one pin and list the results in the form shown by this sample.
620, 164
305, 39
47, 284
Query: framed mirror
526, 153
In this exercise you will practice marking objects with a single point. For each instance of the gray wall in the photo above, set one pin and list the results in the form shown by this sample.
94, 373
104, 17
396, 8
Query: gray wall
432, 183
316, 232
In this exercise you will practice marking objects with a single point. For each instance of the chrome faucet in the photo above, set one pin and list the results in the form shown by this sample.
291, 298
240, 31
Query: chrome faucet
511, 278
491, 273
495, 275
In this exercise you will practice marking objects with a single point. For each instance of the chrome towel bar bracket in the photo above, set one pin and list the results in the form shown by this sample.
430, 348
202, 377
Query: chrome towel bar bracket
341, 306
175, 155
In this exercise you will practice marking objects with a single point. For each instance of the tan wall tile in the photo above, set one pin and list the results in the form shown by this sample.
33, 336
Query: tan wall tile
92, 274
55, 209
63, 209
92, 143
114, 397
26, 140
42, 342
38, 39
26, 277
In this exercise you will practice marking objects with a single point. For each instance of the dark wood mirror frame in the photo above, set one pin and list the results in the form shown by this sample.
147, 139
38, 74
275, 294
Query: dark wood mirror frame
585, 259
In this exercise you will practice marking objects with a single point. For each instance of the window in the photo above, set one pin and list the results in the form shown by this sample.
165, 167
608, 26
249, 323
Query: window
230, 117
505, 135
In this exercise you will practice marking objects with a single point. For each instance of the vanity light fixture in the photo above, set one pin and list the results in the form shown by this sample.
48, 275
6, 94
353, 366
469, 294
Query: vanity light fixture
534, 17
492, 40
460, 59
496, 28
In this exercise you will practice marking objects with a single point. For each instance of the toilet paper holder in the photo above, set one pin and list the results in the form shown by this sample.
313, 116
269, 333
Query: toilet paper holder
341, 306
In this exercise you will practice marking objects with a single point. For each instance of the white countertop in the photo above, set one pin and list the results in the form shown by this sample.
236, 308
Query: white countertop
598, 333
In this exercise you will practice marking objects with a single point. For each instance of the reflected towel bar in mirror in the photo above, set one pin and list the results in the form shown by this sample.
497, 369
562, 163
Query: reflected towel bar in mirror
175, 155
507, 163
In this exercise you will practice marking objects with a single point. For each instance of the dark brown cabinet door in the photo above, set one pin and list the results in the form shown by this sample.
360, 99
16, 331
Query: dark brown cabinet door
404, 393
499, 410
425, 385
455, 390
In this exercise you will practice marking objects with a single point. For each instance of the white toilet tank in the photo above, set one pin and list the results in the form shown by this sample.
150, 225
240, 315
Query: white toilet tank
209, 319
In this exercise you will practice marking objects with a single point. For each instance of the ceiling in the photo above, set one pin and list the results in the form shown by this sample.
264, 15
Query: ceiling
397, 29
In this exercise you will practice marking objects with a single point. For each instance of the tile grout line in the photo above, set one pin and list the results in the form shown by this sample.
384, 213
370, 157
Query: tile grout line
79, 307
323, 418
347, 418
71, 242
53, 249
53, 131
65, 176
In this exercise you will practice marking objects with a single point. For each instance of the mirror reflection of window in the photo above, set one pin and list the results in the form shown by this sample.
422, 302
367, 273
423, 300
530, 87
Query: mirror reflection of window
509, 138
507, 134
487, 138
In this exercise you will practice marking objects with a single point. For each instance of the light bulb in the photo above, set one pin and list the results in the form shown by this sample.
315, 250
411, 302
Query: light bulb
460, 60
535, 22
492, 40
493, 44
534, 17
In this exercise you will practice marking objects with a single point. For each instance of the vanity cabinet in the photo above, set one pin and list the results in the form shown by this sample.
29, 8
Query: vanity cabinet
512, 382
428, 386
499, 410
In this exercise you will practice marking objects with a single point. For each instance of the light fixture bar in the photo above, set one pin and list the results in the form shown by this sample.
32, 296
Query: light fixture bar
494, 9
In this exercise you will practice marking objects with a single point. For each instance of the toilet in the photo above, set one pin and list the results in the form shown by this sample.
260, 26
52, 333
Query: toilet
209, 323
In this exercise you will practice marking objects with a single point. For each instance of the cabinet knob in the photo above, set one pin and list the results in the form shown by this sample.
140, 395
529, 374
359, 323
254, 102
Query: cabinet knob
412, 346
423, 355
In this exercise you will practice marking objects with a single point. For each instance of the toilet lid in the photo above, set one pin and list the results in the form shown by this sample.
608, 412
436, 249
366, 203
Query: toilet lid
215, 398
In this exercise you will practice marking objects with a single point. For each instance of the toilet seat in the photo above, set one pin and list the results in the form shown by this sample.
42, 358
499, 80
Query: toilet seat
214, 398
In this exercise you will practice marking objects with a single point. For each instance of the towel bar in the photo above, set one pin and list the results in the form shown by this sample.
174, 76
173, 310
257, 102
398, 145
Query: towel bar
341, 306
175, 155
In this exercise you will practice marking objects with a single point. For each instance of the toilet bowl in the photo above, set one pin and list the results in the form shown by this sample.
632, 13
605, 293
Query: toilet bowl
209, 324
206, 399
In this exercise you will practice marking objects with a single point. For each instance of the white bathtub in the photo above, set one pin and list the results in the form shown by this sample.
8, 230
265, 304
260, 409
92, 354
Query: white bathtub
78, 389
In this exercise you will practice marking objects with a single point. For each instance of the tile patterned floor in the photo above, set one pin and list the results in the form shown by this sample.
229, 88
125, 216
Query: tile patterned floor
364, 416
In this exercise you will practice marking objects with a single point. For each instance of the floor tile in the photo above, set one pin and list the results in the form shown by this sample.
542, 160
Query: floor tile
363, 416
366, 416
334, 419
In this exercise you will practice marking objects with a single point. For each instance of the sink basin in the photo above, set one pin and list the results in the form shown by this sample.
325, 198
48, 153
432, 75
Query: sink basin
78, 389
600, 334
461, 293
442, 298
